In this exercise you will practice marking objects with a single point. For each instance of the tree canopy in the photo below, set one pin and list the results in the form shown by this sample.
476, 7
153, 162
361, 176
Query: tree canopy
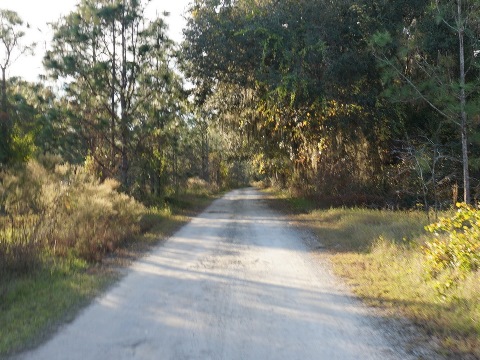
352, 102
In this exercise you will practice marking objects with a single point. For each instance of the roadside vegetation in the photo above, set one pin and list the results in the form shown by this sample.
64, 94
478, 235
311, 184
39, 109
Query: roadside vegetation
64, 236
93, 174
406, 264
352, 103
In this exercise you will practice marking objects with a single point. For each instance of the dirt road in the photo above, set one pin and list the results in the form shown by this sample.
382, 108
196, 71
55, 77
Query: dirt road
236, 283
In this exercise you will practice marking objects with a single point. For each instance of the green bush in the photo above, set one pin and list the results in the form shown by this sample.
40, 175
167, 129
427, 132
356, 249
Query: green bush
454, 252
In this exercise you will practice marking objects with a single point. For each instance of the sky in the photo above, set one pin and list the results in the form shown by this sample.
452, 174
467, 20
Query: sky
38, 13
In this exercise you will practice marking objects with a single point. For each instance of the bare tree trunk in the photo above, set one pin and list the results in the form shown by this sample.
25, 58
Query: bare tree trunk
123, 105
205, 151
463, 101
4, 90
4, 123
112, 95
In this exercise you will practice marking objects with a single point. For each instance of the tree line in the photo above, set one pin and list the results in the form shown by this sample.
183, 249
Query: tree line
113, 100
365, 102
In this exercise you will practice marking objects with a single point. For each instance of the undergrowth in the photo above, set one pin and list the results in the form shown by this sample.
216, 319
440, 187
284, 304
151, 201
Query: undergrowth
63, 236
453, 254
63, 211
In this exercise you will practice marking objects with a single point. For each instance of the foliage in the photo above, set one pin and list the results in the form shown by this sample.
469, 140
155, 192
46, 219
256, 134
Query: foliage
122, 91
86, 216
313, 95
64, 211
430, 62
454, 252
20, 252
11, 33
299, 91
319, 94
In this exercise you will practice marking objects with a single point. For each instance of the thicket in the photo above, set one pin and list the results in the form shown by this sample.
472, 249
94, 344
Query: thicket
61, 210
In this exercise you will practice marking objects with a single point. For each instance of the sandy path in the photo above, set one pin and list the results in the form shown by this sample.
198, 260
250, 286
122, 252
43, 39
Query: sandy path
235, 283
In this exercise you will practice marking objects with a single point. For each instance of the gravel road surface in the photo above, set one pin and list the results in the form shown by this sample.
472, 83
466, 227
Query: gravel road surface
236, 283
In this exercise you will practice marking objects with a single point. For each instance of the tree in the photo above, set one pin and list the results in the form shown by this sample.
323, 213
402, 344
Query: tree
11, 32
441, 71
116, 64
297, 79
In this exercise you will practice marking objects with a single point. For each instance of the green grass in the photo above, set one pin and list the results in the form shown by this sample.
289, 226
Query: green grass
359, 229
33, 305
379, 253
391, 276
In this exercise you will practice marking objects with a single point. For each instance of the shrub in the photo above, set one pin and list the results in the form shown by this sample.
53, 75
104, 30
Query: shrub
19, 223
19, 248
86, 216
454, 252
70, 212
20, 189
198, 186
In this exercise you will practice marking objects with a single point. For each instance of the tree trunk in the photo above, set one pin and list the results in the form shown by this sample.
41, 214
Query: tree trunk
463, 101
205, 153
4, 90
4, 123
123, 106
112, 99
